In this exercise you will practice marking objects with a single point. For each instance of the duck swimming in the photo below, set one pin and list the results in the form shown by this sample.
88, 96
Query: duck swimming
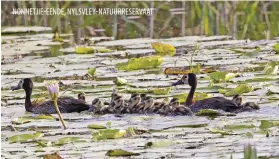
209, 103
178, 109
134, 102
65, 104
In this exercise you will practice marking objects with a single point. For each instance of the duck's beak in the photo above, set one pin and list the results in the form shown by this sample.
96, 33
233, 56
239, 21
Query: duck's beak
15, 87
179, 82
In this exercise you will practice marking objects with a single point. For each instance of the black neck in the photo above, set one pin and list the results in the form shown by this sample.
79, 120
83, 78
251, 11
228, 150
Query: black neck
190, 96
28, 104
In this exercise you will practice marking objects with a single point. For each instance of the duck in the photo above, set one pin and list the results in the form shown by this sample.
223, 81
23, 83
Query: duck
178, 109
150, 106
134, 102
65, 104
81, 96
120, 106
219, 103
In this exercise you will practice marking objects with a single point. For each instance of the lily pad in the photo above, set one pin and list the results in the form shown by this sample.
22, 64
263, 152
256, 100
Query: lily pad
198, 96
109, 134
95, 126
163, 49
207, 112
92, 71
66, 140
276, 48
233, 127
119, 152
265, 124
271, 68
52, 156
84, 50
159, 144
240, 89
25, 137
120, 81
162, 91
19, 121
218, 77
140, 63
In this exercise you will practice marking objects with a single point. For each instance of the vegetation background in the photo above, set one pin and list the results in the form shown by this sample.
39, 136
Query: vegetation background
242, 19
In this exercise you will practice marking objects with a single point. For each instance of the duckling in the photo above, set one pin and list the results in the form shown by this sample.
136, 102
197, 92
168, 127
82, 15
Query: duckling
249, 106
146, 106
237, 99
81, 96
96, 106
65, 104
120, 106
178, 109
134, 102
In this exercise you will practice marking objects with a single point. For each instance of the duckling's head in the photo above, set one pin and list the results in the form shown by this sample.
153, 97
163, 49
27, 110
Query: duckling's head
25, 83
81, 96
237, 99
134, 100
149, 101
118, 101
174, 102
96, 102
250, 106
190, 79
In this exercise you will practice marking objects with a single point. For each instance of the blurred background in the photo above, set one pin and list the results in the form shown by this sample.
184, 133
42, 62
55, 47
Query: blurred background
241, 19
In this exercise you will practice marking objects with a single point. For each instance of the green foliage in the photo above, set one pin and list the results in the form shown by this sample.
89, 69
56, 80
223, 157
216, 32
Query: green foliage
218, 77
120, 81
197, 96
25, 137
95, 126
67, 140
276, 48
235, 127
265, 124
208, 112
159, 144
240, 89
92, 71
249, 152
271, 68
163, 49
140, 63
109, 134
119, 152
161, 91
84, 50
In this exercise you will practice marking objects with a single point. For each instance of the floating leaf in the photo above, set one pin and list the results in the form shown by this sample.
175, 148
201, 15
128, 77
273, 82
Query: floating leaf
52, 156
109, 134
163, 49
84, 50
66, 140
240, 89
92, 71
120, 81
131, 131
119, 152
58, 40
231, 127
25, 137
197, 96
271, 68
265, 124
276, 48
217, 77
161, 91
104, 50
108, 124
208, 112
140, 63
193, 125
159, 144
249, 135
94, 126
19, 121
218, 130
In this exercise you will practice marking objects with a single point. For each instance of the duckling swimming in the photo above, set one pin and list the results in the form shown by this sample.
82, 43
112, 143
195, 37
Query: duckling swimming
65, 104
178, 109
134, 102
209, 103
81, 96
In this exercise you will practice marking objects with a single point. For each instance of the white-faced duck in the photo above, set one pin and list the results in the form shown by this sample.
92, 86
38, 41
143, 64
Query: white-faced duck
220, 103
65, 104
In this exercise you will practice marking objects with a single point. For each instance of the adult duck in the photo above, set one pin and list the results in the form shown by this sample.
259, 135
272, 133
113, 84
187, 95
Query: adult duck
220, 103
65, 104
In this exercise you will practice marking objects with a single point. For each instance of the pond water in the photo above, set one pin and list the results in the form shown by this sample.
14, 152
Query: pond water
38, 57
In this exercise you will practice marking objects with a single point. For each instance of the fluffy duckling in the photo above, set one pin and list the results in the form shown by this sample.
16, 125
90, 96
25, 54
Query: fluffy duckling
150, 106
178, 109
134, 102
120, 106
81, 96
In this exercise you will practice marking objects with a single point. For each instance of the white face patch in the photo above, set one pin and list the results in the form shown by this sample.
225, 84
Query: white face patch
20, 83
184, 79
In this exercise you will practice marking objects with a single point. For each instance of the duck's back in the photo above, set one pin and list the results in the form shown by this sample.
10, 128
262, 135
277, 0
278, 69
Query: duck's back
215, 103
65, 104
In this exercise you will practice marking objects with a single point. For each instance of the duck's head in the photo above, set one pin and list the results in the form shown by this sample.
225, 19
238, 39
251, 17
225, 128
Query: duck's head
118, 101
134, 100
25, 84
237, 99
81, 96
148, 102
174, 102
190, 79
97, 102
